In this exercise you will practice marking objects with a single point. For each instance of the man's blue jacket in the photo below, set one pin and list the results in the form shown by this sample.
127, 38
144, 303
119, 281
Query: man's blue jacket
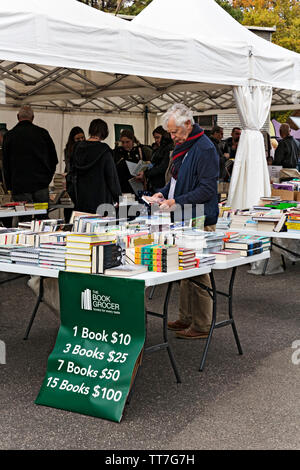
197, 181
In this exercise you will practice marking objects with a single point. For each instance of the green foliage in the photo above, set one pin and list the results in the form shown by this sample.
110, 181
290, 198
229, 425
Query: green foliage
236, 13
281, 116
284, 14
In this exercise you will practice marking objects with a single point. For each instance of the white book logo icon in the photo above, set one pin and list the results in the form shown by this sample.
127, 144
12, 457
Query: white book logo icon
86, 299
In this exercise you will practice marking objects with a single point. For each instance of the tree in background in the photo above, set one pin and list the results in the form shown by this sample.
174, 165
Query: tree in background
236, 13
284, 14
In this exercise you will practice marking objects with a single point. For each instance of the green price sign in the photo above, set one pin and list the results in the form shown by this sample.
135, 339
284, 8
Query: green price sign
98, 345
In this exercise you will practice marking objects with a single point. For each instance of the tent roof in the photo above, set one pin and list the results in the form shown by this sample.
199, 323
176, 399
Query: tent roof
66, 55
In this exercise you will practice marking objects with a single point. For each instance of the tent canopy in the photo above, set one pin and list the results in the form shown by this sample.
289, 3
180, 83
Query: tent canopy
65, 55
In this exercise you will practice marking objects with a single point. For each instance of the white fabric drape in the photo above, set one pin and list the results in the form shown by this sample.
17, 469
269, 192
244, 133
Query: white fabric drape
250, 176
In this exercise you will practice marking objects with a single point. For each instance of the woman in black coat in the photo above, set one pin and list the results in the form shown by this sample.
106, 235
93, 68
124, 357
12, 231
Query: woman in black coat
94, 176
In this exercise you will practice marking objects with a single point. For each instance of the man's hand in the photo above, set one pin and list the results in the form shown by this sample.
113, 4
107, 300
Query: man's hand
167, 205
157, 198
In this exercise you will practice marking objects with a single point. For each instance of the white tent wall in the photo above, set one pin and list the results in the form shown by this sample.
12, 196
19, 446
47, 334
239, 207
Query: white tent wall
59, 124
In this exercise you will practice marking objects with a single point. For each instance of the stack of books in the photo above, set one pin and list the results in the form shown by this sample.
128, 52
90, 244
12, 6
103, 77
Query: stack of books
227, 255
245, 246
223, 223
265, 241
206, 260
5, 253
79, 251
159, 258
268, 220
53, 255
293, 222
25, 255
186, 258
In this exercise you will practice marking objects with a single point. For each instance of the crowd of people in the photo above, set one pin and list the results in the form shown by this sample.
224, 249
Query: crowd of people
97, 174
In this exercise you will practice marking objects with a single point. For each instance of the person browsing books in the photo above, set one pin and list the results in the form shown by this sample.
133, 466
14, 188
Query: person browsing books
130, 150
155, 174
195, 172
93, 178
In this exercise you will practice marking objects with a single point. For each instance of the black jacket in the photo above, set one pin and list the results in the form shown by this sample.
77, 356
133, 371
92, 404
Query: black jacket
221, 157
29, 158
96, 176
287, 153
155, 176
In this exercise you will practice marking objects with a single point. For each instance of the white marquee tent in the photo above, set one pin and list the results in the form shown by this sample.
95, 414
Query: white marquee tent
63, 55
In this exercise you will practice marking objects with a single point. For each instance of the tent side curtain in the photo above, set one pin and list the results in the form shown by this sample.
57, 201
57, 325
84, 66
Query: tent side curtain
250, 176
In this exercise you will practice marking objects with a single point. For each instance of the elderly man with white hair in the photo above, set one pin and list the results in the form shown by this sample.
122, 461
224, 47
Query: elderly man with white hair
195, 171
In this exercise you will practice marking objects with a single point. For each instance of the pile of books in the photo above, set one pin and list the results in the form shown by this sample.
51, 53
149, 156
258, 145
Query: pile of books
53, 255
227, 255
293, 222
269, 220
25, 255
159, 258
83, 254
206, 260
223, 223
246, 246
187, 258
5, 253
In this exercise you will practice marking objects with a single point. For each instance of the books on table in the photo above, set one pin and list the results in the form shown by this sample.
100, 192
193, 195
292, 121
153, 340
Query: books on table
187, 258
227, 255
160, 258
245, 245
126, 270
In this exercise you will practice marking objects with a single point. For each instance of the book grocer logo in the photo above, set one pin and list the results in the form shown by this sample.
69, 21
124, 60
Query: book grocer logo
93, 300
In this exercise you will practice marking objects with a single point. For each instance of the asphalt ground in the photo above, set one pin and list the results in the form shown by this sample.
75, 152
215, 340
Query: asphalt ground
249, 401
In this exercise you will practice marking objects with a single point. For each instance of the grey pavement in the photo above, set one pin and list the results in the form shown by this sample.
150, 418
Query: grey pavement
238, 402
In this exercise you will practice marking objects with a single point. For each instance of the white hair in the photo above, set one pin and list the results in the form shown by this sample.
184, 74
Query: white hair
180, 113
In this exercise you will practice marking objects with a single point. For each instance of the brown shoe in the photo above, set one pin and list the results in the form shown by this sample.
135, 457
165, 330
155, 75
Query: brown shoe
177, 325
189, 333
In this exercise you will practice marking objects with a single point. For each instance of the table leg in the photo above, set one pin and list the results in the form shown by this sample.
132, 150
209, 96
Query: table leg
39, 300
166, 344
230, 321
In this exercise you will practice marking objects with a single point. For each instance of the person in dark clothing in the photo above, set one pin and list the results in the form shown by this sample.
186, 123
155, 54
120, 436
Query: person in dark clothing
29, 159
76, 135
3, 131
93, 174
216, 137
229, 151
231, 144
288, 150
195, 172
155, 175
129, 151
